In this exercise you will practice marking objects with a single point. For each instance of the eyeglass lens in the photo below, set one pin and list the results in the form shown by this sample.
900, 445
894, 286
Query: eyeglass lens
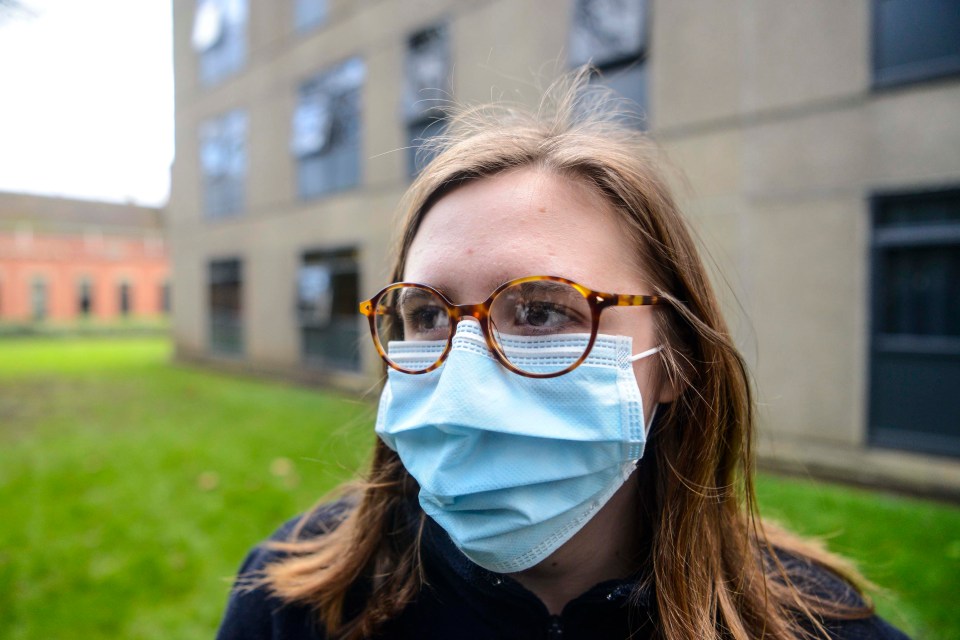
519, 313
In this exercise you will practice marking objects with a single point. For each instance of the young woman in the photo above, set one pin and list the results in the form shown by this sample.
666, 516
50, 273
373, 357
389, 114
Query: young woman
565, 431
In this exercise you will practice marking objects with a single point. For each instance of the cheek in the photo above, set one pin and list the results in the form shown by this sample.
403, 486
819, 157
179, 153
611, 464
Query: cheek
639, 325
635, 322
646, 372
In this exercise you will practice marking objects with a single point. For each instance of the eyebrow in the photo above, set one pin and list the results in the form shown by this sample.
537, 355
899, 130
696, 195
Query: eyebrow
412, 293
548, 286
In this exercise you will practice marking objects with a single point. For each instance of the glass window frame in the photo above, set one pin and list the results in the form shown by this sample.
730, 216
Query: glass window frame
39, 298
333, 161
907, 356
426, 90
613, 64
85, 297
224, 140
226, 331
225, 54
339, 320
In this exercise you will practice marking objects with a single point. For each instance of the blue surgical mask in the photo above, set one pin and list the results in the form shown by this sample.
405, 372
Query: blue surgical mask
512, 467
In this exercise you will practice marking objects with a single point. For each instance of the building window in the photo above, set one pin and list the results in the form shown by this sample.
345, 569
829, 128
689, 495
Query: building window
223, 163
220, 38
38, 298
308, 14
85, 297
325, 137
915, 40
327, 300
915, 341
124, 298
611, 35
165, 304
426, 90
226, 306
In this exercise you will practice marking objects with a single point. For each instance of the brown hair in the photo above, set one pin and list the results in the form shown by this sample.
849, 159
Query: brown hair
715, 569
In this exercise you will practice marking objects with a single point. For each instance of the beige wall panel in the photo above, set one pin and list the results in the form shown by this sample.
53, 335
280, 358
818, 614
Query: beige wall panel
236, 92
503, 48
694, 62
804, 156
720, 228
184, 204
709, 164
188, 294
916, 136
708, 191
800, 52
184, 58
271, 180
269, 305
388, 22
384, 156
807, 307
269, 23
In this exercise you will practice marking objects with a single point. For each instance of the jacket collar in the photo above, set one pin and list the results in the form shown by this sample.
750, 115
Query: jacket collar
440, 554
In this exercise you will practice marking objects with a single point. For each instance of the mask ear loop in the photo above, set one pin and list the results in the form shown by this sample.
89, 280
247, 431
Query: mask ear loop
641, 356
645, 354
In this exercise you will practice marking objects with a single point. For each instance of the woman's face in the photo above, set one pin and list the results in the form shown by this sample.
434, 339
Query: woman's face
532, 222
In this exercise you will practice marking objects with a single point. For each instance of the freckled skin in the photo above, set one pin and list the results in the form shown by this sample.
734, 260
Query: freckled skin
532, 222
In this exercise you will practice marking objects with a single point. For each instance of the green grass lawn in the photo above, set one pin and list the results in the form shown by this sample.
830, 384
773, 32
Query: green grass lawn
130, 489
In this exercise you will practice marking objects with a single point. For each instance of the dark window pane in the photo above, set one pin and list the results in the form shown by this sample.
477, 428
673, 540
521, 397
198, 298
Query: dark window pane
915, 349
427, 81
630, 82
915, 39
85, 297
165, 298
914, 403
327, 300
611, 35
226, 306
325, 137
220, 38
919, 210
921, 291
223, 163
38, 299
607, 31
426, 91
125, 303
419, 156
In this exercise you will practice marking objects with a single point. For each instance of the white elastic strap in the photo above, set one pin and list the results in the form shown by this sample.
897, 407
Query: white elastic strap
648, 352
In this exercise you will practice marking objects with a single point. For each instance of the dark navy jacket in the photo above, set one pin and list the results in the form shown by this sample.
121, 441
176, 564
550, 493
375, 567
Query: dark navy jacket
466, 602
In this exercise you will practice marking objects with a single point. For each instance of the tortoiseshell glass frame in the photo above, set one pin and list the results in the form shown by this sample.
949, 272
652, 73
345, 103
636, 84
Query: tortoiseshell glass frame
597, 300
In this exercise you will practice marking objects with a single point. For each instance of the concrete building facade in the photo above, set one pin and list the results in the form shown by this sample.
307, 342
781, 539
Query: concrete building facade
818, 143
64, 261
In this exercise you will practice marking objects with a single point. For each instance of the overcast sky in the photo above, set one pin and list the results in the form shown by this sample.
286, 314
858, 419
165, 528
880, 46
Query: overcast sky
86, 99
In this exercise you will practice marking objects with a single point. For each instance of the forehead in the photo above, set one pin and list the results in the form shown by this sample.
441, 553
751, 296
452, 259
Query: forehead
519, 223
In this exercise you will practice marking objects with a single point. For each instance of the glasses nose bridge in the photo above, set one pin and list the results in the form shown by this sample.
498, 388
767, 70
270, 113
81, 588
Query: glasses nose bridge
478, 312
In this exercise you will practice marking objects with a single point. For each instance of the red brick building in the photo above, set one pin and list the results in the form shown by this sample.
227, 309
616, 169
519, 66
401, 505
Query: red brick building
63, 260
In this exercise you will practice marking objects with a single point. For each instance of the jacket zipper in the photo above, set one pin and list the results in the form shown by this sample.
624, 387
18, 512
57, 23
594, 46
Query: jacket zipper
555, 632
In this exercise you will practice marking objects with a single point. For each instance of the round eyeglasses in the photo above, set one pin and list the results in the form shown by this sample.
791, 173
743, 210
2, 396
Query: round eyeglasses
534, 306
